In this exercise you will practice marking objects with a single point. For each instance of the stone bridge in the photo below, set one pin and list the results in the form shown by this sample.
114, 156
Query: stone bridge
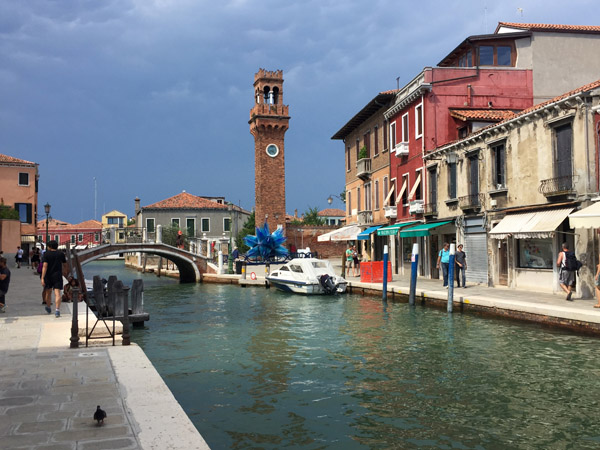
190, 266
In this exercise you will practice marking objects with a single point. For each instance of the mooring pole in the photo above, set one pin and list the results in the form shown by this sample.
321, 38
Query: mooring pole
385, 272
451, 277
414, 264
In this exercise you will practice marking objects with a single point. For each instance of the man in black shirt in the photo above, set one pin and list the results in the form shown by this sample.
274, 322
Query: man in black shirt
4, 282
54, 266
461, 266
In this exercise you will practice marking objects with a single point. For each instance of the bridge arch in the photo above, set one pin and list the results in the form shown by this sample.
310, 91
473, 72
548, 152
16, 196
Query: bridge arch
191, 266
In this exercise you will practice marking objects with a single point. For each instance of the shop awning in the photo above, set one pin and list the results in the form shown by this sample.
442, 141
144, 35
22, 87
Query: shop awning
392, 230
365, 235
347, 233
423, 229
586, 218
539, 224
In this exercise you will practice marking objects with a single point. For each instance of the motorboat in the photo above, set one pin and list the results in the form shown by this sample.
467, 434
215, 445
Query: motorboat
307, 276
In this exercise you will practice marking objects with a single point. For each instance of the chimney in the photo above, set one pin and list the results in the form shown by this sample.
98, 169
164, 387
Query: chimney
295, 213
137, 206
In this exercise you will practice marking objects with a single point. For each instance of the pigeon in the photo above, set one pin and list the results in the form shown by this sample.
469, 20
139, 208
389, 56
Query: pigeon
100, 415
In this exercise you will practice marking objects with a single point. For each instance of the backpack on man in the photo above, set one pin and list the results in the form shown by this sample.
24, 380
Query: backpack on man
572, 264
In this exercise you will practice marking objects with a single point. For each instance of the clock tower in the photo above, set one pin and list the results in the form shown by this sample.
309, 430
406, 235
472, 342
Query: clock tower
269, 120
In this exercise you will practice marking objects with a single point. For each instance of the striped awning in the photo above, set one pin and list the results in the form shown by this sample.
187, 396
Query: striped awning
539, 224
587, 217
392, 230
347, 233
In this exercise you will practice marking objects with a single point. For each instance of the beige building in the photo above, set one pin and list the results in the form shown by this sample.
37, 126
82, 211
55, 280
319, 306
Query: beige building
115, 219
367, 165
510, 188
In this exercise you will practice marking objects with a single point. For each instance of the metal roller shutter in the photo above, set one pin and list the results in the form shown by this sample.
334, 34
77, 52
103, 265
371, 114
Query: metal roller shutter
477, 261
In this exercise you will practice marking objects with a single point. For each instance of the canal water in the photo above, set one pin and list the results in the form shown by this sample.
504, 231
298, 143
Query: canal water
257, 368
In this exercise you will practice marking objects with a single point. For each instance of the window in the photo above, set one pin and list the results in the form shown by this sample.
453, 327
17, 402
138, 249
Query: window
392, 135
115, 221
419, 121
405, 128
121, 236
150, 225
404, 200
175, 223
96, 237
40, 238
349, 198
503, 56
535, 253
376, 141
205, 225
563, 153
24, 209
466, 60
377, 194
56, 238
190, 225
419, 189
367, 143
348, 158
499, 166
452, 180
80, 237
386, 188
357, 149
368, 197
486, 55
432, 171
72, 239
393, 197
226, 224
358, 198
23, 179
499, 55
385, 141
474, 174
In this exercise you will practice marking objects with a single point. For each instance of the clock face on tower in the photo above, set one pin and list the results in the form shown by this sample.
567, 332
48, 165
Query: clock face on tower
272, 150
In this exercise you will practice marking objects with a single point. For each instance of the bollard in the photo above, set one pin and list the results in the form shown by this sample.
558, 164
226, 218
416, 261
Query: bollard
385, 272
451, 277
244, 270
75, 320
414, 264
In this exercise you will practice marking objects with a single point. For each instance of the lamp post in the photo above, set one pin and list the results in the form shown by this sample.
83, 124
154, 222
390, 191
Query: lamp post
47, 210
229, 259
330, 198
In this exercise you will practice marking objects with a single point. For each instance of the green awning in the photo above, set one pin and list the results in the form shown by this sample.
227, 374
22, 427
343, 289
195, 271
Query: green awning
422, 229
392, 230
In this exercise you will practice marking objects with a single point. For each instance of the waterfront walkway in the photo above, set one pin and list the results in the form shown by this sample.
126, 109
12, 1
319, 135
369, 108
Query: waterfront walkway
48, 392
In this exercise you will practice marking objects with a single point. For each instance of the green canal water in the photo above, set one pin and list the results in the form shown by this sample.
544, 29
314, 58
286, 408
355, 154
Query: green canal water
257, 368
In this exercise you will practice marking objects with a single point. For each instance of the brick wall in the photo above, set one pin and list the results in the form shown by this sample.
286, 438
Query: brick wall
306, 236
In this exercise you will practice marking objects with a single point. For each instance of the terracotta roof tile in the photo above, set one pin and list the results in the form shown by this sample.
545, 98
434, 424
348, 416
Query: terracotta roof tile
186, 201
481, 114
13, 160
332, 212
550, 27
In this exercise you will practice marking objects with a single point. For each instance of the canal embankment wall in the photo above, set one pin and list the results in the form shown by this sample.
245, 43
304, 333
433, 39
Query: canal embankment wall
49, 391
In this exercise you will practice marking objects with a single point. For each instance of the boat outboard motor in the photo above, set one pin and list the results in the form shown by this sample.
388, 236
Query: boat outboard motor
328, 284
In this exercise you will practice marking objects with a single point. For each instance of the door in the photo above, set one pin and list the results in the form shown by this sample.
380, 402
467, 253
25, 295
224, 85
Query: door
503, 263
476, 250
435, 249
564, 155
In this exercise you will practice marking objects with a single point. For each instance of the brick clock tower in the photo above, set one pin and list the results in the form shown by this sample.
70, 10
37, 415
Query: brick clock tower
269, 120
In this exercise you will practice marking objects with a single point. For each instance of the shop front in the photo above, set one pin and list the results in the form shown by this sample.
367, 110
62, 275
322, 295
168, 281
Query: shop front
400, 249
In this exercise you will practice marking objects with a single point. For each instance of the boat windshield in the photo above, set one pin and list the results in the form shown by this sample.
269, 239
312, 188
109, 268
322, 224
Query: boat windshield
296, 268
319, 264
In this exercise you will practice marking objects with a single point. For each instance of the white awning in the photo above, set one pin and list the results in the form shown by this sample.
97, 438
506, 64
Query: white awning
347, 233
540, 224
586, 218
401, 192
415, 186
387, 199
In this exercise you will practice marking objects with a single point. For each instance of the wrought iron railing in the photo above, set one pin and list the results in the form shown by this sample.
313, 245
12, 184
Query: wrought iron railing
470, 201
558, 186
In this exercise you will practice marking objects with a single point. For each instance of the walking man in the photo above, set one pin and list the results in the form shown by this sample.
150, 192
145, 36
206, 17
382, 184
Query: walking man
461, 266
54, 266
444, 260
566, 275
4, 282
19, 257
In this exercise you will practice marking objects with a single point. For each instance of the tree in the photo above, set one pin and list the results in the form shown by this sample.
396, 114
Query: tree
249, 228
169, 235
311, 217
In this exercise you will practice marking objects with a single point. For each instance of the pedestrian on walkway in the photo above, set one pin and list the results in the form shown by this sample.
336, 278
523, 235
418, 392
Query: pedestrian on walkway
349, 260
53, 269
597, 283
566, 276
35, 259
461, 266
19, 257
4, 282
356, 266
444, 261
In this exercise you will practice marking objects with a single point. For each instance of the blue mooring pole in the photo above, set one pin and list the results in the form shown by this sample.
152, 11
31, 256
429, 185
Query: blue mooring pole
413, 274
451, 277
385, 272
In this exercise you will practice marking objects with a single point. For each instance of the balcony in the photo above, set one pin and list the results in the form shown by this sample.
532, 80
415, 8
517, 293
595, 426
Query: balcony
416, 207
363, 168
390, 212
559, 188
470, 202
430, 210
401, 149
365, 217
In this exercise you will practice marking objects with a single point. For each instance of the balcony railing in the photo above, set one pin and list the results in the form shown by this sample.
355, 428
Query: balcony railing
430, 209
390, 212
363, 168
365, 217
559, 186
470, 201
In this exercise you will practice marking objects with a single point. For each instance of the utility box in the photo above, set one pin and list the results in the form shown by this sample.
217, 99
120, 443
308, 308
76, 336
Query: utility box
372, 272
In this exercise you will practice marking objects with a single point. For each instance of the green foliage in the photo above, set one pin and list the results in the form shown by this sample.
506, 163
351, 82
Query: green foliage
311, 217
343, 196
6, 212
362, 153
249, 228
170, 236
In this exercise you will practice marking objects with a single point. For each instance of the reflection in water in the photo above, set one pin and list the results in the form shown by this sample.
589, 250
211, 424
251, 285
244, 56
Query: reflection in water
256, 368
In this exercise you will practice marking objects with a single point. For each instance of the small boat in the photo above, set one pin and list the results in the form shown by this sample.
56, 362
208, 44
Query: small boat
308, 276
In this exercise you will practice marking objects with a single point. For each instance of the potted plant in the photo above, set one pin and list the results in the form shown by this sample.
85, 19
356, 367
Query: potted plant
362, 153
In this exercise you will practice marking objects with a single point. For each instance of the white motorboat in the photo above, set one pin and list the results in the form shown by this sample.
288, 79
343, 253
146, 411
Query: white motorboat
308, 276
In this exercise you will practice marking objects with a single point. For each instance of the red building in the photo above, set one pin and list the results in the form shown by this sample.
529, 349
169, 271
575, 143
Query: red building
84, 234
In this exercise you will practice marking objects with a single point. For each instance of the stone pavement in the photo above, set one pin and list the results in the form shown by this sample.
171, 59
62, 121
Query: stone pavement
48, 392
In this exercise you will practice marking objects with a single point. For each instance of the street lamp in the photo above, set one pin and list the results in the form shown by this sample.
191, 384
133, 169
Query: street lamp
229, 258
47, 210
330, 198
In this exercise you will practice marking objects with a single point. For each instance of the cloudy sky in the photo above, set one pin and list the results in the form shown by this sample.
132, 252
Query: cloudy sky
152, 97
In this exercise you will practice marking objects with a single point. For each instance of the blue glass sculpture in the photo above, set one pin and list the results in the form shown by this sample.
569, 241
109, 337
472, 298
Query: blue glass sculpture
265, 245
